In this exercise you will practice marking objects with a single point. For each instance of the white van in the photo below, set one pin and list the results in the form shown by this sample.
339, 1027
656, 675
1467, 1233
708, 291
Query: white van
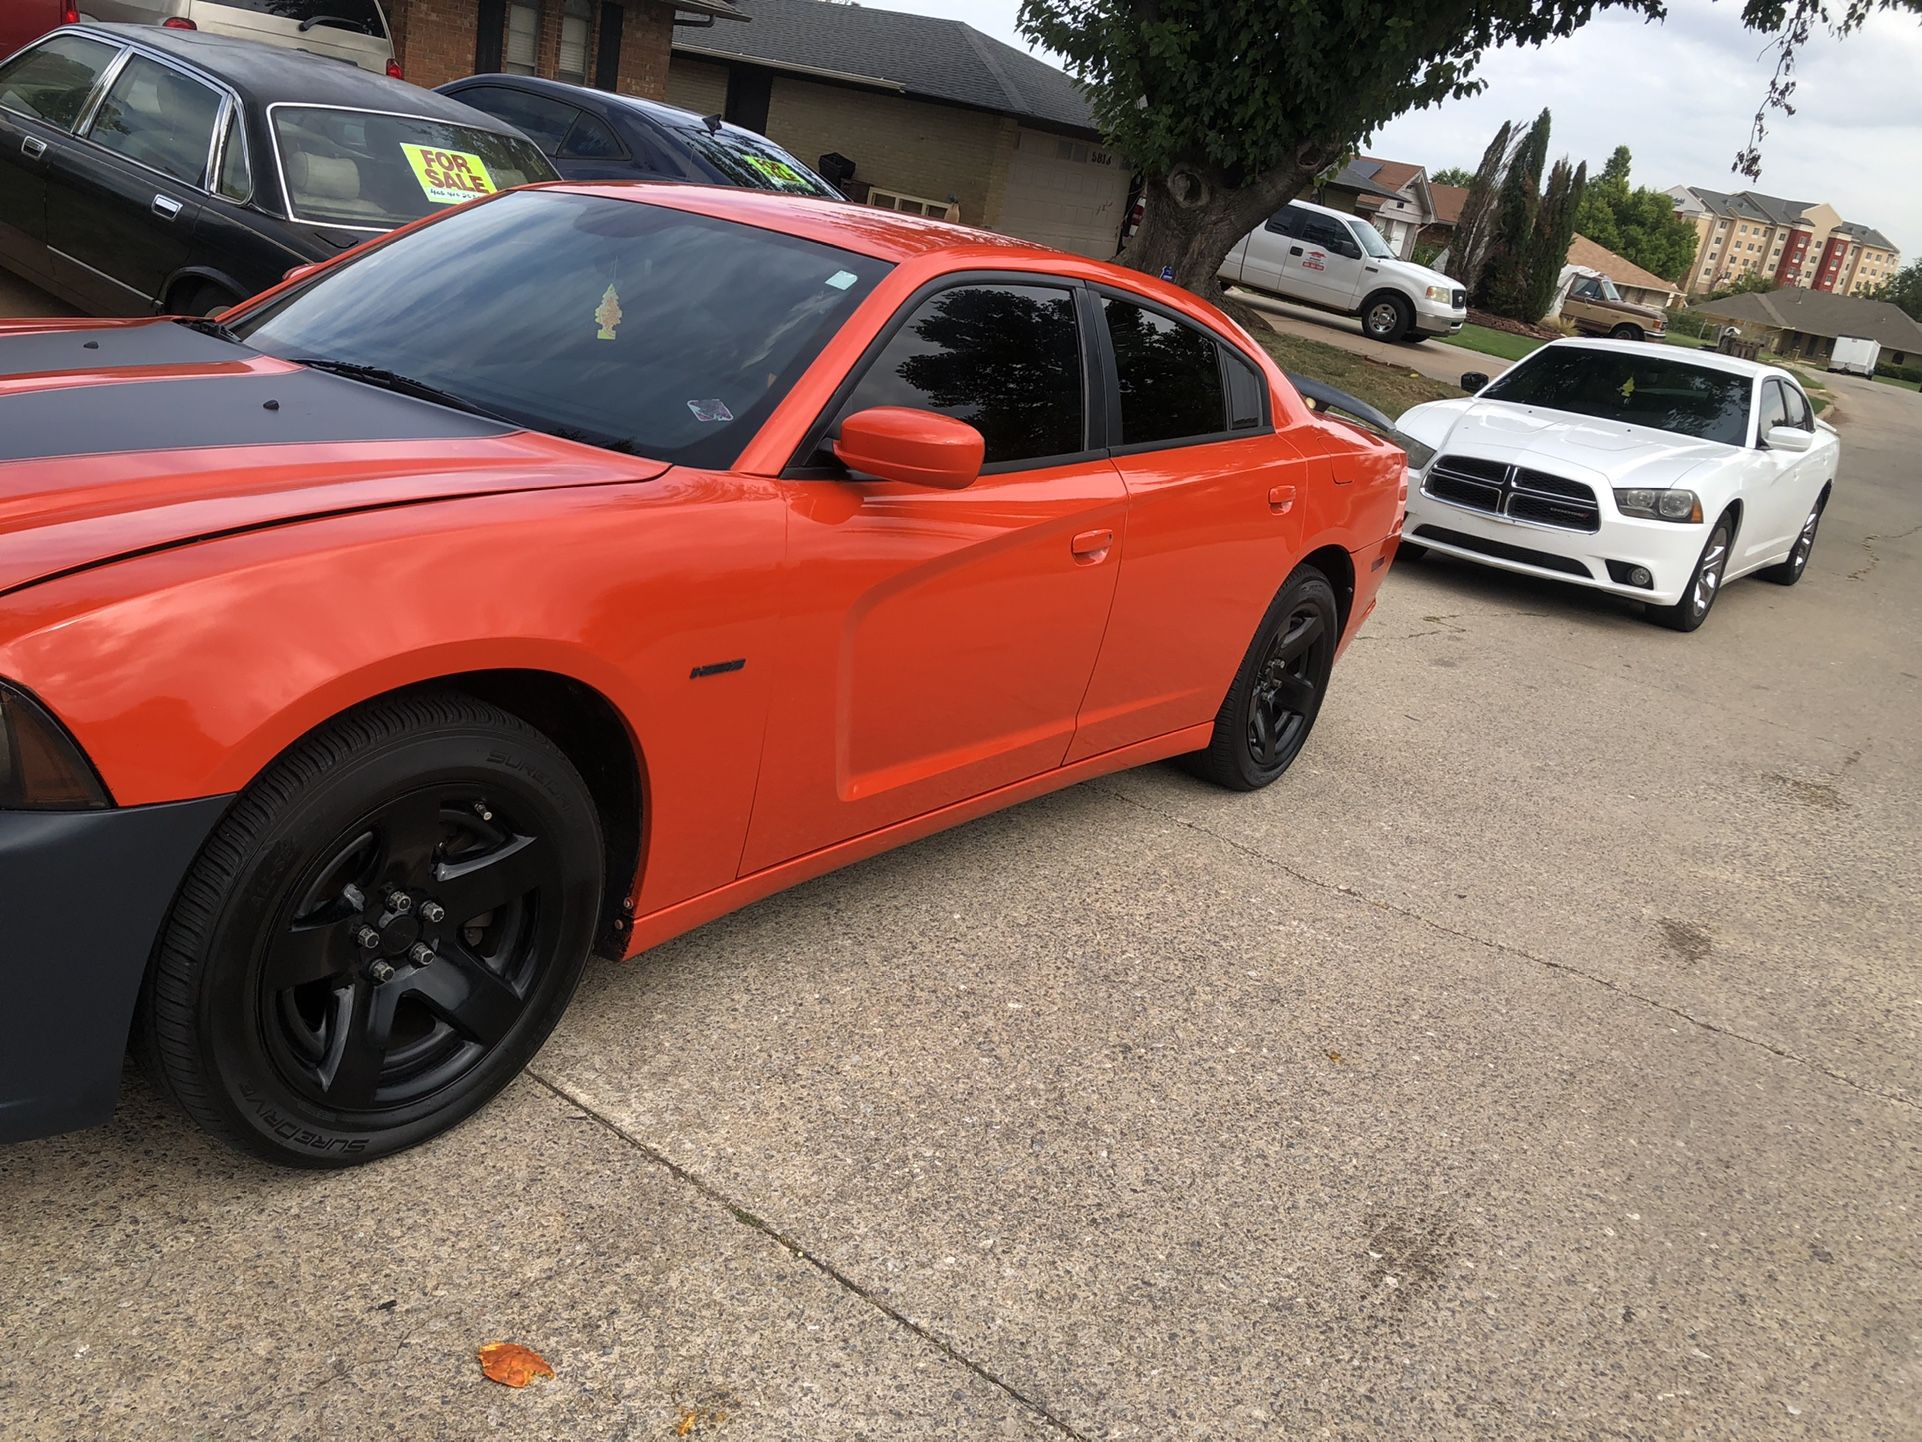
1321, 257
351, 30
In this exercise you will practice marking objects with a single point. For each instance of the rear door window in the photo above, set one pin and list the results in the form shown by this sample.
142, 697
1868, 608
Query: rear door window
1004, 358
51, 82
1170, 374
542, 120
590, 140
160, 117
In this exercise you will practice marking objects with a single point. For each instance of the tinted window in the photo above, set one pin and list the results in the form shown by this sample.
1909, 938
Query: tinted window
234, 180
541, 120
1286, 221
612, 322
1247, 392
1798, 406
1320, 230
159, 117
1775, 410
1004, 358
1170, 377
744, 158
51, 82
1636, 390
352, 167
361, 15
590, 140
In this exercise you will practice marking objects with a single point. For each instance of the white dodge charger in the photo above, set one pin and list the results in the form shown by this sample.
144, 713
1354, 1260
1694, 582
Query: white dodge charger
1642, 470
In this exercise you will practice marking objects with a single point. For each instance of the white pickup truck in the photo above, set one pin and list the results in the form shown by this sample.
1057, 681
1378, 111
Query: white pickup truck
1316, 256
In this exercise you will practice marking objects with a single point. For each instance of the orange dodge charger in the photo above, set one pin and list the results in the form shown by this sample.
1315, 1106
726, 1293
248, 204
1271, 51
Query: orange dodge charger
562, 572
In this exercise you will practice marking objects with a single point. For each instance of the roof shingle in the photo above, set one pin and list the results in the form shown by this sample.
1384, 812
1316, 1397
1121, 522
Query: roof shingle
1824, 313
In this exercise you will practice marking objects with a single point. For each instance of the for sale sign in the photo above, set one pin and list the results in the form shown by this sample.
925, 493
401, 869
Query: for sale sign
447, 177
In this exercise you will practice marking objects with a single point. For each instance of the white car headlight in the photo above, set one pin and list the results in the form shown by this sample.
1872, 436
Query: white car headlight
1680, 506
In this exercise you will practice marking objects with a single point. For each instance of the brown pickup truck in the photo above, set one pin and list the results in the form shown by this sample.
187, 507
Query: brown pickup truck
1594, 307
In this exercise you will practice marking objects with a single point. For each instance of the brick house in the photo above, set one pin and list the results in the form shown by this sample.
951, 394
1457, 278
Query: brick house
934, 117
613, 44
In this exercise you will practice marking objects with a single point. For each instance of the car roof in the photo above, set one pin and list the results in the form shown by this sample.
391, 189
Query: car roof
273, 75
581, 95
1706, 359
1324, 210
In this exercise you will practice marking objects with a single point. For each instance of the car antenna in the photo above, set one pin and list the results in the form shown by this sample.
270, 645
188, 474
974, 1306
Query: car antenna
713, 124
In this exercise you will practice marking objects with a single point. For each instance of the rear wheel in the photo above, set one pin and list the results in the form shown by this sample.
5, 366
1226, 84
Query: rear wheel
201, 298
1277, 693
379, 934
1703, 586
1787, 573
1387, 317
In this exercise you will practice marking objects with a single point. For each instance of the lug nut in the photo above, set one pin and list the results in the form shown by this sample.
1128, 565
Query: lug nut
432, 911
354, 897
420, 953
399, 902
367, 937
381, 971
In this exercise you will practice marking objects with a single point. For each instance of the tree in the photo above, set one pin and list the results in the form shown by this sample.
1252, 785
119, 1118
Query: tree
1752, 284
1475, 230
1229, 110
1455, 176
1554, 229
1504, 278
1903, 289
1792, 22
1638, 224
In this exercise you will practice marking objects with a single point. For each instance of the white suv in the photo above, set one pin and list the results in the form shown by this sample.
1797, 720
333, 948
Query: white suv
1322, 257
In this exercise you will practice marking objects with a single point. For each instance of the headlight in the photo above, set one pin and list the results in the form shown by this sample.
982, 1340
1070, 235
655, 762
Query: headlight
40, 767
1681, 506
1440, 292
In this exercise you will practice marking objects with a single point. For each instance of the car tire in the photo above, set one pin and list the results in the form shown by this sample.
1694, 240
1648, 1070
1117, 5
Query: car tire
1787, 573
201, 299
1704, 582
1277, 691
1410, 551
1385, 316
1626, 332
289, 1009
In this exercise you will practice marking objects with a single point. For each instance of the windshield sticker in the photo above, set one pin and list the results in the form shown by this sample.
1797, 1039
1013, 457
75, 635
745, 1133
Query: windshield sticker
775, 172
447, 177
710, 410
607, 314
1628, 389
841, 279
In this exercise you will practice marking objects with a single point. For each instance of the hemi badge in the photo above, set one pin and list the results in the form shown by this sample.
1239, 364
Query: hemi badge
716, 668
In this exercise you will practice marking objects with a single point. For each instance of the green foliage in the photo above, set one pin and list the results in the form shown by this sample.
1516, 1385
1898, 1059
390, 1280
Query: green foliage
1475, 230
1504, 281
1693, 323
1454, 175
1903, 289
1638, 224
1792, 22
1911, 374
1548, 248
1752, 284
1427, 252
1242, 88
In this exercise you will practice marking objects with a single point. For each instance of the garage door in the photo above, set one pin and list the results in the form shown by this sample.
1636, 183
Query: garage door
1065, 193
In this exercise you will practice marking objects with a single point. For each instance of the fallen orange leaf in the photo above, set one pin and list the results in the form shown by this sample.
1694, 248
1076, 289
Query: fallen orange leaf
511, 1364
1334, 1056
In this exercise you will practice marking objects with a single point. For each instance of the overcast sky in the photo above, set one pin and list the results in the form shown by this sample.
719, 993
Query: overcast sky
1680, 96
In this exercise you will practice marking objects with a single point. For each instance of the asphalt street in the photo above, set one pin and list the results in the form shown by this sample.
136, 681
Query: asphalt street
1541, 1058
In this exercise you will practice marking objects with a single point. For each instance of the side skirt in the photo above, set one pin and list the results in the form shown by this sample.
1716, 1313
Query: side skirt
684, 916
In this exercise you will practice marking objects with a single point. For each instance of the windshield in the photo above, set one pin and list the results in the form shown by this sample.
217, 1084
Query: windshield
1615, 385
613, 322
1597, 287
1371, 242
745, 158
375, 171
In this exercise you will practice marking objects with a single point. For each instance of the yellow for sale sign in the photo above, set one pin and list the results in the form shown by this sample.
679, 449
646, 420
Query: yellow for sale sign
447, 177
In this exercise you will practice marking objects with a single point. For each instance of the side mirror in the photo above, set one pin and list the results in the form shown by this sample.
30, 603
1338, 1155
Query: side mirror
1788, 438
1473, 381
916, 448
301, 272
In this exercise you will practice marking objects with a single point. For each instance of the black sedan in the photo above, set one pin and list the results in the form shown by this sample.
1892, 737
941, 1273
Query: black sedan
146, 169
597, 135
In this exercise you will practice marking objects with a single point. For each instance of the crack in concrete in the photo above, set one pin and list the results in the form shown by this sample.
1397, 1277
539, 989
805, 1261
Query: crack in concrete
1569, 968
803, 1254
1875, 559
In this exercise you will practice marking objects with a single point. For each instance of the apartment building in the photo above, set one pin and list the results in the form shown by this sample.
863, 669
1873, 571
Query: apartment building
1793, 242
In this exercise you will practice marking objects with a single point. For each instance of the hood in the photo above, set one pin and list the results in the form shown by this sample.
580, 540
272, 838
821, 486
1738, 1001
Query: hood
1425, 276
118, 437
1603, 453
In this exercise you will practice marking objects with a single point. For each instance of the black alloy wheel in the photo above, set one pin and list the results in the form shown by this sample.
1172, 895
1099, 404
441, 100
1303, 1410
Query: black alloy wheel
1277, 694
379, 934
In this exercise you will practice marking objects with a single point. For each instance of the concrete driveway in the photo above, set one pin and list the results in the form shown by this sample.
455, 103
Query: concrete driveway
1539, 1059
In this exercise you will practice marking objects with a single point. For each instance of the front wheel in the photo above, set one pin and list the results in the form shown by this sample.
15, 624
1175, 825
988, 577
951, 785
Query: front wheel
1704, 585
1387, 317
1626, 332
378, 935
1276, 695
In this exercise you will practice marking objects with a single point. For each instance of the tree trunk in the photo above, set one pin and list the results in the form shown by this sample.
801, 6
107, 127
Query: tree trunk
1193, 216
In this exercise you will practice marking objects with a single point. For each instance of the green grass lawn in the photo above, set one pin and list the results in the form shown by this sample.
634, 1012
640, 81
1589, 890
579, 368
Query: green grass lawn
1390, 389
1493, 342
1898, 381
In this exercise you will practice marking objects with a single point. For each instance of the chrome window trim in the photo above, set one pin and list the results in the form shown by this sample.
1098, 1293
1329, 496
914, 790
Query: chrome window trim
100, 84
221, 90
280, 162
234, 120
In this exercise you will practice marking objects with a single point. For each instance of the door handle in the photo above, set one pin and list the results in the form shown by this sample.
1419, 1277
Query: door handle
33, 147
1091, 546
1281, 499
1371, 269
166, 207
